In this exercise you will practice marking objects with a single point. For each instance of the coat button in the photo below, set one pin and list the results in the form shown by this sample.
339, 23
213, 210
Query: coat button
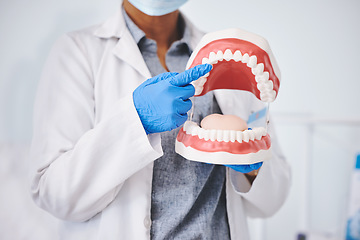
147, 222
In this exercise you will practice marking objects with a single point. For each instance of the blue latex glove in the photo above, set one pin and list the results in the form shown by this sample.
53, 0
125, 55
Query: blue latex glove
162, 102
246, 168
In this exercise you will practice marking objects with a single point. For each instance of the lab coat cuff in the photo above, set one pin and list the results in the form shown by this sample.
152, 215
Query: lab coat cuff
153, 139
148, 147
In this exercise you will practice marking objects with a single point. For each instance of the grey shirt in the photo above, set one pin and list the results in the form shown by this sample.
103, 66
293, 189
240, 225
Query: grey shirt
188, 198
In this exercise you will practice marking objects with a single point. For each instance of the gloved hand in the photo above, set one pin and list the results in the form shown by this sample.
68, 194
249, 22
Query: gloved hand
162, 102
246, 168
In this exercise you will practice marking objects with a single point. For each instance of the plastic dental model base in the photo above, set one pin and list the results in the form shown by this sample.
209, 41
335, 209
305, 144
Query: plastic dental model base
241, 61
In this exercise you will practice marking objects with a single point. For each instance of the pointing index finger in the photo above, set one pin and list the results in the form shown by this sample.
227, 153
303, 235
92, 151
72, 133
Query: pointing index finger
192, 74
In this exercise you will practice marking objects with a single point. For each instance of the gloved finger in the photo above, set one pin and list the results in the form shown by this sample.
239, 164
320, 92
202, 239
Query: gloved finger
184, 106
179, 119
190, 75
246, 169
256, 166
241, 168
187, 91
160, 77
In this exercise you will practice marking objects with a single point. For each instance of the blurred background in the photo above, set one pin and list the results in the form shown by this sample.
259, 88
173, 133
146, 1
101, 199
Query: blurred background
317, 113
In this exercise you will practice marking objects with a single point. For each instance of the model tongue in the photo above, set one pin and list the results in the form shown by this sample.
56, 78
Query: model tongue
223, 122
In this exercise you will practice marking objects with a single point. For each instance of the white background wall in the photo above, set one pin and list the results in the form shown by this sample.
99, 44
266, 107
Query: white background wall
316, 44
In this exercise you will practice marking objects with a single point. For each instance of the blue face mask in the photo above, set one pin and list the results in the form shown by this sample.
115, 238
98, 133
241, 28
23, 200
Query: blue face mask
157, 7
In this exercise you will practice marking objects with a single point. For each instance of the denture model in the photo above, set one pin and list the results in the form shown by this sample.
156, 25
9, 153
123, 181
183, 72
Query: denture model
241, 61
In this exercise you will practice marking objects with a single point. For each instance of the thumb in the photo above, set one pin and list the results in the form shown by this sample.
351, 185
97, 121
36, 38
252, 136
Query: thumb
192, 74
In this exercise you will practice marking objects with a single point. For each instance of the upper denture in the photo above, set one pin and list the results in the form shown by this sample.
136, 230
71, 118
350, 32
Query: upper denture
237, 46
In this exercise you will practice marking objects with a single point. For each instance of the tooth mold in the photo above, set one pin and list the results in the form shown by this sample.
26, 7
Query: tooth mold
241, 61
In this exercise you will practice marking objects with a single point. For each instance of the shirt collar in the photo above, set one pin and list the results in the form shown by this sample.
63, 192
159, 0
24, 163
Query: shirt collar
135, 31
138, 34
186, 38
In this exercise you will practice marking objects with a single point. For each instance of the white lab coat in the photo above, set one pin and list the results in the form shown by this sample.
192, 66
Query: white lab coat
92, 161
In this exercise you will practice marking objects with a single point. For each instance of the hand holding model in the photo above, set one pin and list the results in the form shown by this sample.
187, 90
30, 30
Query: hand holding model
162, 102
246, 168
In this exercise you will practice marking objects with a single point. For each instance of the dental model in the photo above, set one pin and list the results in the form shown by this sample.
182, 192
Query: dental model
241, 61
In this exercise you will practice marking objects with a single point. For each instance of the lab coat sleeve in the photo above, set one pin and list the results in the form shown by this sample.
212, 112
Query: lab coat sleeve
79, 167
271, 186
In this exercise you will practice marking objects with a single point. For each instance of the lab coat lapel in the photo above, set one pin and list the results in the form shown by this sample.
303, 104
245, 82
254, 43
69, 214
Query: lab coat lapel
127, 50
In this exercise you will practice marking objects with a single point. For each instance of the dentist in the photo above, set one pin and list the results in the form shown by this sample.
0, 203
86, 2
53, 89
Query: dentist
108, 107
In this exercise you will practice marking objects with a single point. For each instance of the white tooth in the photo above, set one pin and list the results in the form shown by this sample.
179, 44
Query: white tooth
239, 136
198, 86
206, 75
219, 56
257, 132
219, 135
258, 69
188, 127
198, 90
205, 60
266, 76
206, 135
202, 81
264, 96
258, 78
263, 132
251, 135
272, 94
269, 85
185, 126
194, 128
213, 134
237, 56
266, 99
194, 131
232, 136
245, 58
226, 135
262, 77
246, 136
201, 133
212, 58
252, 62
195, 84
228, 55
261, 86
